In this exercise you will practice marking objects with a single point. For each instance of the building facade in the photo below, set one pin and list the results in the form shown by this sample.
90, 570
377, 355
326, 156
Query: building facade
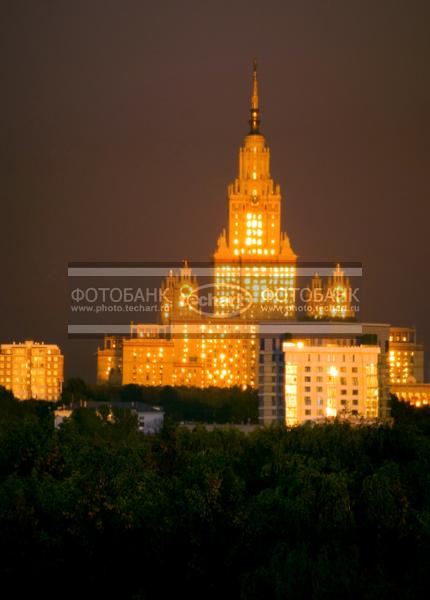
32, 370
109, 361
417, 394
379, 333
406, 367
406, 356
201, 353
271, 383
309, 378
330, 381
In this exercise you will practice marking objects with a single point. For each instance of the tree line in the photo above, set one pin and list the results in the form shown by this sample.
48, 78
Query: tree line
96, 509
209, 405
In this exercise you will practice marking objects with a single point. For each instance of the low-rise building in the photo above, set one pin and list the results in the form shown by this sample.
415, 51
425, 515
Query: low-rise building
149, 418
417, 394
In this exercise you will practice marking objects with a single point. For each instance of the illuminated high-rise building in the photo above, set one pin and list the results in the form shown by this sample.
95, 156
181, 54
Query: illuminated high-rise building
406, 357
255, 255
255, 268
32, 370
330, 381
222, 343
317, 377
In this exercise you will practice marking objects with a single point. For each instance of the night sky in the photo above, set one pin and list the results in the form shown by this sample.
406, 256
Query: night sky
120, 126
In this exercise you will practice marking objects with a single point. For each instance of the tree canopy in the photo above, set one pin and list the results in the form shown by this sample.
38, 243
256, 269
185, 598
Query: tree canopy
95, 508
209, 405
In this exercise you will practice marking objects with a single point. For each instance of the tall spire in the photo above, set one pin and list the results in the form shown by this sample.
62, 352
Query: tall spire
254, 99
254, 122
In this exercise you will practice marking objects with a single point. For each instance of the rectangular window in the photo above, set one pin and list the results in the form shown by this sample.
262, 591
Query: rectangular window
307, 412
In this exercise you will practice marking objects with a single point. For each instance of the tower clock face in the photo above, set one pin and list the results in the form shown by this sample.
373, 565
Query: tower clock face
340, 293
186, 290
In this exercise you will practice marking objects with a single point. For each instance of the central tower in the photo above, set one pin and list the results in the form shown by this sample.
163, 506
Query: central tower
255, 256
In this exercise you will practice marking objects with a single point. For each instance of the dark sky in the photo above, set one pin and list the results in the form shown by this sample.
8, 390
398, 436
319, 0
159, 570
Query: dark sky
120, 125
